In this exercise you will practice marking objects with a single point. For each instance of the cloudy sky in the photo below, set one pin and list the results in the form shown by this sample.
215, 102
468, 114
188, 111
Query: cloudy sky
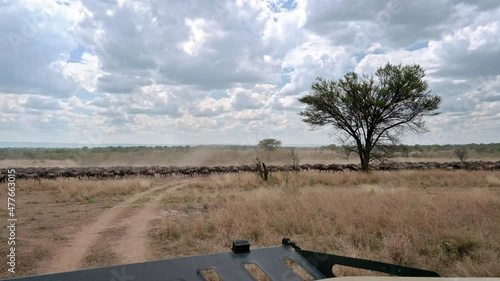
230, 71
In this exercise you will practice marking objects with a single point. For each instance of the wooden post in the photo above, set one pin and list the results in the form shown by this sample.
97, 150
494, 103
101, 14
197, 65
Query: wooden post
266, 172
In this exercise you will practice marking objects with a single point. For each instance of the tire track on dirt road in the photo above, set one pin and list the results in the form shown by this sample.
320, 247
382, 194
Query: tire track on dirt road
71, 257
133, 247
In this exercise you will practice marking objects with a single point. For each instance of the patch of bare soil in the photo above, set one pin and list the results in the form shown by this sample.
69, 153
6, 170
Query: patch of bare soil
118, 236
133, 246
71, 256
43, 225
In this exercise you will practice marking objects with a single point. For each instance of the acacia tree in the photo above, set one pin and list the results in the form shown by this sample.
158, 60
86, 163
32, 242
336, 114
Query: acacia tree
461, 153
372, 112
294, 158
348, 149
269, 144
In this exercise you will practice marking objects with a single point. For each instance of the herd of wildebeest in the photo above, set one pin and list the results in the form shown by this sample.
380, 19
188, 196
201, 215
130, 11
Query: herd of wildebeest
119, 172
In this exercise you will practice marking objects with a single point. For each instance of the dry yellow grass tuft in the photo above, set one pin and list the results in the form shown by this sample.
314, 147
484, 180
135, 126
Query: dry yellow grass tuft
437, 220
230, 181
447, 221
256, 272
77, 190
400, 179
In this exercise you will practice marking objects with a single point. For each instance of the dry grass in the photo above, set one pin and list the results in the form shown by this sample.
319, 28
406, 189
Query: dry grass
447, 221
401, 179
210, 275
230, 181
79, 191
256, 272
443, 221
45, 226
102, 253
99, 256
298, 270
51, 213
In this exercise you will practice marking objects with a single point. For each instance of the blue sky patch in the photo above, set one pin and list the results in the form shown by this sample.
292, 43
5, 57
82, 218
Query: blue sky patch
76, 54
290, 5
285, 76
287, 5
359, 56
64, 3
418, 45
83, 94
218, 94
378, 52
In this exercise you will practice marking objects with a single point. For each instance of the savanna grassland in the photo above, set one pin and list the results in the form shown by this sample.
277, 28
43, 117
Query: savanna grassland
224, 155
446, 221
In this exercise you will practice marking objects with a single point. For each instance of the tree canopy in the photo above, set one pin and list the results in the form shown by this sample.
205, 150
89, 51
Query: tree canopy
372, 112
269, 144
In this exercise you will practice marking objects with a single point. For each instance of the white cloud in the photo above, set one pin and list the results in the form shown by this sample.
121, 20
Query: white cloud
200, 32
85, 72
222, 71
315, 57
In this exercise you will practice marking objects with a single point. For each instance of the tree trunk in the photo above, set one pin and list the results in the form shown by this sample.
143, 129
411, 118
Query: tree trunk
364, 155
266, 172
365, 160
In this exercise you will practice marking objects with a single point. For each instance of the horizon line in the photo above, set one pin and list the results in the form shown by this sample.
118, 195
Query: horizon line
27, 144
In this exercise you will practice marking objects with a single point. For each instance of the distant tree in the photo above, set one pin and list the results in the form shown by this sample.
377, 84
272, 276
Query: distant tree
383, 152
330, 147
348, 149
369, 112
461, 153
294, 158
405, 150
269, 144
481, 148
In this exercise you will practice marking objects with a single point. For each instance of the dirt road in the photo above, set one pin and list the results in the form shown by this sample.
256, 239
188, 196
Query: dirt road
132, 245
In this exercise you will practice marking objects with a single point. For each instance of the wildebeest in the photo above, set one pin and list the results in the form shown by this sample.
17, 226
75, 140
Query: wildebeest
190, 171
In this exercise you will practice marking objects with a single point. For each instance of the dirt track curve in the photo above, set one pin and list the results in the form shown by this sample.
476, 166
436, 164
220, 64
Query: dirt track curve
132, 246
